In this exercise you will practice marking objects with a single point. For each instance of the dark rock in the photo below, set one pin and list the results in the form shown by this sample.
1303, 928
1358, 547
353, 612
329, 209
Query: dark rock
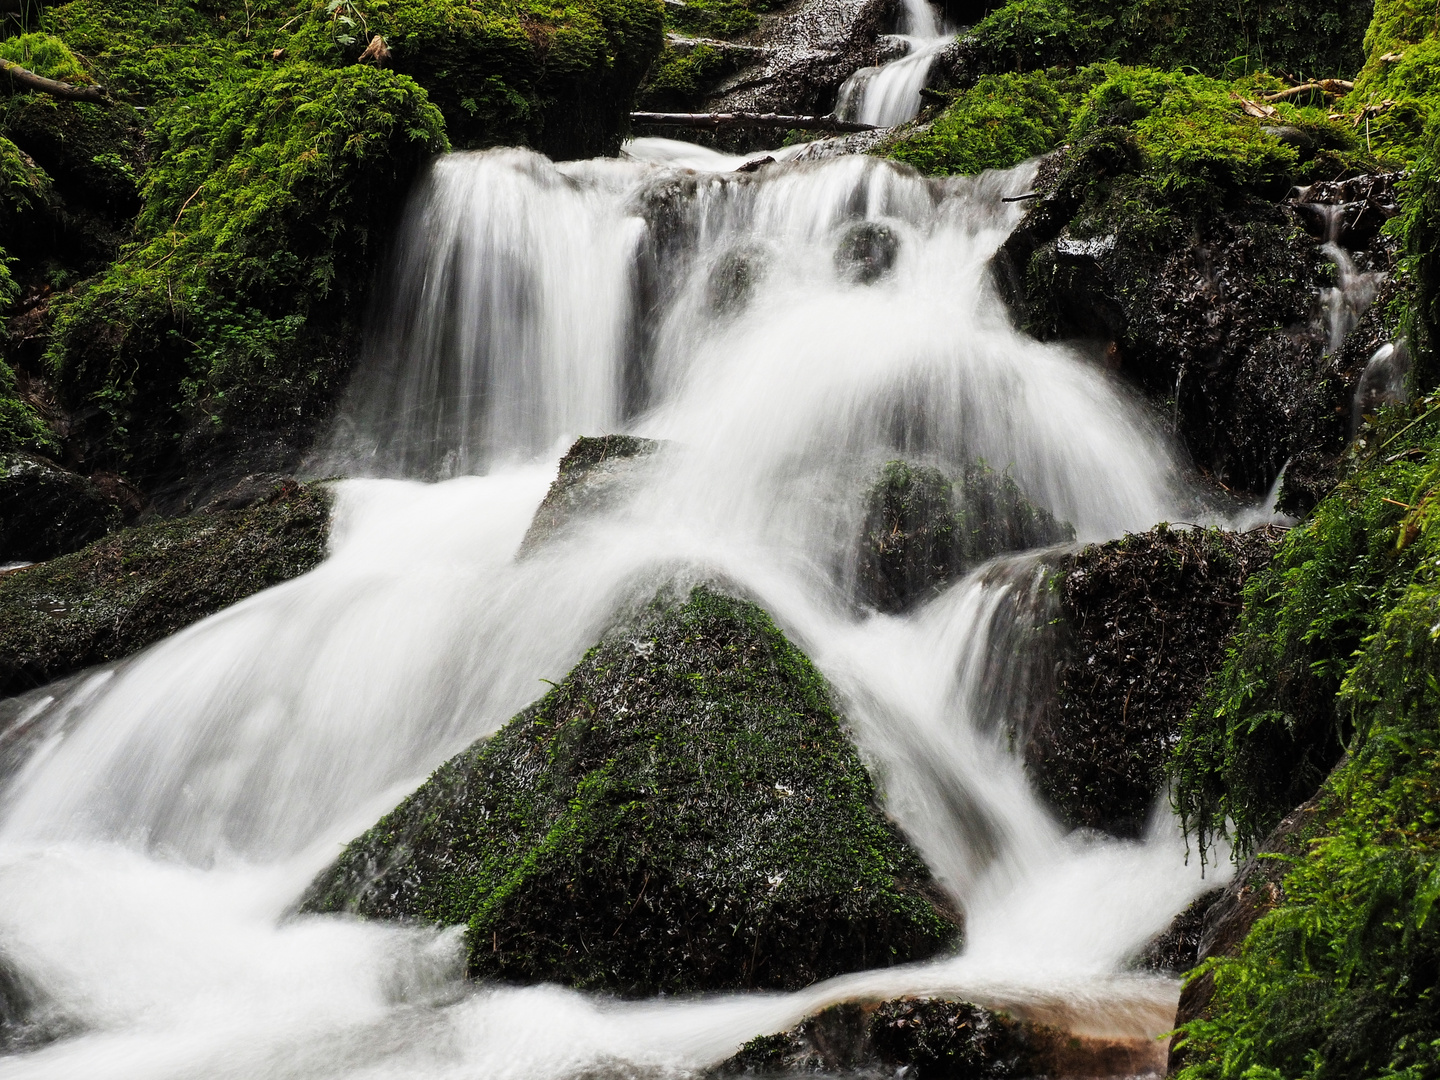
29, 1017
1144, 623
683, 812
867, 252
933, 1039
132, 588
734, 277
592, 474
47, 511
922, 529
1177, 949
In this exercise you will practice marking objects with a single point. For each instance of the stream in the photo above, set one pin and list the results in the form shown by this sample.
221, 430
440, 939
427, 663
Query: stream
784, 332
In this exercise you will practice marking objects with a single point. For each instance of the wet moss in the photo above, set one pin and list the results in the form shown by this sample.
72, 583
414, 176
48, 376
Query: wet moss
132, 588
682, 812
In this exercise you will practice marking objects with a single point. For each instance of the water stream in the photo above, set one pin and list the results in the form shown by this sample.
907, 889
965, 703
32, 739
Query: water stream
889, 93
170, 809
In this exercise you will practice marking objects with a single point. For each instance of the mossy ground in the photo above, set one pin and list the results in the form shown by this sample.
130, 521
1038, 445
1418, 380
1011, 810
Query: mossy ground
683, 812
136, 586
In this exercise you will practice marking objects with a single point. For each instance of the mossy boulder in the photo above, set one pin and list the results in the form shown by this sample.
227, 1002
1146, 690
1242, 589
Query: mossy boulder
923, 528
47, 511
132, 588
683, 812
1143, 622
592, 474
220, 341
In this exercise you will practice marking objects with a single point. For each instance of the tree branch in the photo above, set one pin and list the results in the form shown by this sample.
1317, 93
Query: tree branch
30, 81
747, 120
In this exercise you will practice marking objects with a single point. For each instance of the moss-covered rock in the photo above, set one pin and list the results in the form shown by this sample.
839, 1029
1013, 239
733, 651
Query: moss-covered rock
219, 342
1308, 39
130, 589
592, 473
1144, 622
922, 529
682, 812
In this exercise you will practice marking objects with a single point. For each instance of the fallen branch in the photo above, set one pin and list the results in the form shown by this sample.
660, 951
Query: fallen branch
28, 79
714, 121
1333, 87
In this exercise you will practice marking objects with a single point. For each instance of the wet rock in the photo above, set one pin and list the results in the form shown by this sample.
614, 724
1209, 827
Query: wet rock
683, 812
132, 588
47, 511
1144, 623
735, 274
1177, 949
29, 1017
593, 473
933, 1039
923, 528
867, 252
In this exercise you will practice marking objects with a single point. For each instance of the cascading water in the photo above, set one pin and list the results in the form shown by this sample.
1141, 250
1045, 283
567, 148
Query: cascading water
889, 94
168, 811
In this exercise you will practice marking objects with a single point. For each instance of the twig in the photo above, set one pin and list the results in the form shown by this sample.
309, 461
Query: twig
28, 79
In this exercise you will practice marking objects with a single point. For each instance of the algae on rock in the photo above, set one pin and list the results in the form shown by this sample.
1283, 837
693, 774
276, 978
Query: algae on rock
683, 812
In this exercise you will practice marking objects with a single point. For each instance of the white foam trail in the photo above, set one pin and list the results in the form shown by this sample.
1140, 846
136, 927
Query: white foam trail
889, 94
175, 806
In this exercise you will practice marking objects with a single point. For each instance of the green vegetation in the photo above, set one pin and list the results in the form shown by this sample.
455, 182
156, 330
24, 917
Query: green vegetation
682, 812
136, 586
1311, 40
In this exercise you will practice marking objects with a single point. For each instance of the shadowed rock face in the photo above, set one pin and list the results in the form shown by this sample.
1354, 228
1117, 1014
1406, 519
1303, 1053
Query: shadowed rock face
683, 812
46, 511
138, 585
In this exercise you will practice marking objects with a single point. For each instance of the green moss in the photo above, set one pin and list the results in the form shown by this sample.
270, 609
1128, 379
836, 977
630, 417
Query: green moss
21, 427
266, 204
679, 80
136, 586
682, 812
998, 122
47, 56
1218, 38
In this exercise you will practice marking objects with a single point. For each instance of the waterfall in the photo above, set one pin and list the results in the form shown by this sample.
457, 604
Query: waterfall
889, 94
170, 808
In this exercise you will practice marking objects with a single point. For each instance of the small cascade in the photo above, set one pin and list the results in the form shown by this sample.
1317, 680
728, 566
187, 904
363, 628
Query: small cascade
889, 94
784, 333
1349, 298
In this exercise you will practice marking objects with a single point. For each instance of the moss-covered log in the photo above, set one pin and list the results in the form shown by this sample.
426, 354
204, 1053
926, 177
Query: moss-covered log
131, 589
682, 812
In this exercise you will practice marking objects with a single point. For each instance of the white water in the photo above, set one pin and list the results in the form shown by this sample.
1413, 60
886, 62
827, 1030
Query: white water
890, 93
172, 809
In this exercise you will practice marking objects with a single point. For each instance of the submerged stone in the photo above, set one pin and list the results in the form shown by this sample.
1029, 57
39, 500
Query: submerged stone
867, 252
138, 585
923, 528
683, 812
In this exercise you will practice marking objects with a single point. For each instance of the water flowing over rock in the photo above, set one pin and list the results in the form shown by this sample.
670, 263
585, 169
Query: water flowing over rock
592, 473
682, 813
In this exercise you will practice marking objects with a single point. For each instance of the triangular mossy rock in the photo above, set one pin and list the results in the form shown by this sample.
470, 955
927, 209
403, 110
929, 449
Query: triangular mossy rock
682, 813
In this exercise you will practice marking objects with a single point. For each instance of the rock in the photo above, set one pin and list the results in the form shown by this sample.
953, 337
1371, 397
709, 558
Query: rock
138, 585
29, 1017
1144, 623
867, 252
933, 1039
919, 535
682, 813
592, 473
1177, 949
47, 511
737, 272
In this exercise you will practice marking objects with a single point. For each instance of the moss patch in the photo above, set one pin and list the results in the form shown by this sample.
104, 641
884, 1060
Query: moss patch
682, 812
139, 585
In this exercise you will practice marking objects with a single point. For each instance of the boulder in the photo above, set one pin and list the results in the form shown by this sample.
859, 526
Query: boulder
682, 813
592, 473
47, 511
1143, 623
138, 585
923, 528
